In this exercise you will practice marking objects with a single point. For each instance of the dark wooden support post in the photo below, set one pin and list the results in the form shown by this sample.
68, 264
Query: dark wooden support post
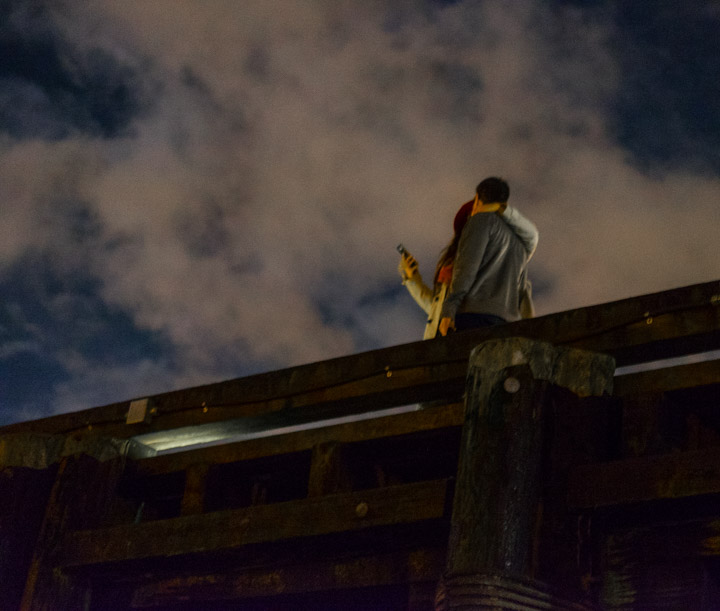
81, 497
329, 473
498, 502
421, 596
23, 494
193, 501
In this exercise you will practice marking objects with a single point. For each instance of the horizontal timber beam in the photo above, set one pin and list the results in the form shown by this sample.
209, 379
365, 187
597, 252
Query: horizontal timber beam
431, 418
649, 478
640, 329
231, 529
668, 379
630, 548
404, 567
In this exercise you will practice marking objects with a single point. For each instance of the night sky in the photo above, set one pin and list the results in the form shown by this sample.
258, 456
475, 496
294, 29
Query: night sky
194, 191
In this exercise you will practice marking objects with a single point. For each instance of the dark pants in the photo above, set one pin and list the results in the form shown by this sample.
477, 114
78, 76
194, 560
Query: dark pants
470, 320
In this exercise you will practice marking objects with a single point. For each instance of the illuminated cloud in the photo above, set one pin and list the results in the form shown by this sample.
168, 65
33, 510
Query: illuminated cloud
224, 183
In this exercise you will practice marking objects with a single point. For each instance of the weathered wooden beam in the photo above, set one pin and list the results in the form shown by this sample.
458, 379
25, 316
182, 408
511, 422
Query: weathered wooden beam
668, 379
378, 392
81, 497
224, 530
649, 478
431, 418
661, 566
678, 331
633, 330
498, 494
40, 450
401, 567
354, 384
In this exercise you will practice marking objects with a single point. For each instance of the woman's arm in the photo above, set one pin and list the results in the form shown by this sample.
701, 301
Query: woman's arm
413, 282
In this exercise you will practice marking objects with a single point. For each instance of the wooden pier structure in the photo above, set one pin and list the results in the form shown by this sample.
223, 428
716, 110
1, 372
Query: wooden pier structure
536, 465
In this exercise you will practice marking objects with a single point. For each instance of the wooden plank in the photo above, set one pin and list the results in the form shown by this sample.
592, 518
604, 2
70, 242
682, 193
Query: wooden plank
675, 540
224, 530
660, 566
402, 567
670, 476
668, 379
350, 384
374, 393
436, 417
638, 341
663, 335
686, 319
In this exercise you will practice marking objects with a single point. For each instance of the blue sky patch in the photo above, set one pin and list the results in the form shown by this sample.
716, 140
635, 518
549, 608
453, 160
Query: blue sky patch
49, 89
667, 109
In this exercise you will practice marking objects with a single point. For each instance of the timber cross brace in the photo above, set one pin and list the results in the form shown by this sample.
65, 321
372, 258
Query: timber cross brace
534, 476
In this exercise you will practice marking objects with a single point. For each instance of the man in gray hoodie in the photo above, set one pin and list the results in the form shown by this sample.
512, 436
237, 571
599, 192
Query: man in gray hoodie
489, 279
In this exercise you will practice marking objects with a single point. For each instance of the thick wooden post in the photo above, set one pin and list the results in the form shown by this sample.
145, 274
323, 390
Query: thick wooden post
81, 497
498, 503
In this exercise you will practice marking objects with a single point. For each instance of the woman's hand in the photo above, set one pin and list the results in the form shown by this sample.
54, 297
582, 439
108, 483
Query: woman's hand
407, 267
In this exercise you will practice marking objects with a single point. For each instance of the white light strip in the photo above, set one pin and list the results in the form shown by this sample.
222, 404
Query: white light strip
204, 441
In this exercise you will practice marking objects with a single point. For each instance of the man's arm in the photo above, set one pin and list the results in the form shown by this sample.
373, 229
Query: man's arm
523, 228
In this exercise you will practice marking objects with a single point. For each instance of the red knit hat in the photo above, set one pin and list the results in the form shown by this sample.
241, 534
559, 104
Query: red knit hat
462, 216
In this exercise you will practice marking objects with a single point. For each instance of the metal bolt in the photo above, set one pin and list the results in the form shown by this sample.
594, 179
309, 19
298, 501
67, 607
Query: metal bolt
511, 385
361, 510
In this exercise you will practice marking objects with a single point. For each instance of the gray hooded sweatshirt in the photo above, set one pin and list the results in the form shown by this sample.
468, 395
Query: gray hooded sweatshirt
490, 270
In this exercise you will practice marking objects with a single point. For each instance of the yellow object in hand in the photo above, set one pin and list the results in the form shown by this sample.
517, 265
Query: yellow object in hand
407, 267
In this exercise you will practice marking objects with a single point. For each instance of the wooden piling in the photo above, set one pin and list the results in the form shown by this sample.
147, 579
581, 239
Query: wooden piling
498, 502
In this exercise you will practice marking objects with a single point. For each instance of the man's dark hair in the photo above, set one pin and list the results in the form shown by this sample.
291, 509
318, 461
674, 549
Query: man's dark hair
493, 190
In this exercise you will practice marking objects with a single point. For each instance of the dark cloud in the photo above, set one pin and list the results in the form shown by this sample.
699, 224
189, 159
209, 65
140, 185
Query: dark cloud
49, 88
667, 107
203, 230
48, 322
